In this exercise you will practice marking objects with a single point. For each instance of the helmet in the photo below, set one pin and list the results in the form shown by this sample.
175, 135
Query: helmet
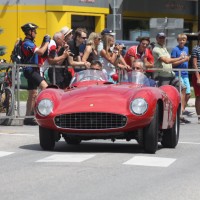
29, 26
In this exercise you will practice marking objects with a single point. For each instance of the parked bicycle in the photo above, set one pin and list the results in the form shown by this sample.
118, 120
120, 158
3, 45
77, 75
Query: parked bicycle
6, 94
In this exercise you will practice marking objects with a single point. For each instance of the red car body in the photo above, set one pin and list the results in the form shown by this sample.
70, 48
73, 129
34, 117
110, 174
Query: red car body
97, 109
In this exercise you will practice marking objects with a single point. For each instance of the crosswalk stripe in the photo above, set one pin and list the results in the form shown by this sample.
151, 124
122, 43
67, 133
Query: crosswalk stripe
67, 158
80, 157
5, 153
189, 143
17, 134
150, 161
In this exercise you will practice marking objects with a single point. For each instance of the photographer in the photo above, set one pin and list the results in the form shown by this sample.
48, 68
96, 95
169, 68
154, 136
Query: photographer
111, 57
54, 58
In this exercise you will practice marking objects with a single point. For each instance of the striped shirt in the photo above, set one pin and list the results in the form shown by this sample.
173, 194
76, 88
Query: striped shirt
196, 54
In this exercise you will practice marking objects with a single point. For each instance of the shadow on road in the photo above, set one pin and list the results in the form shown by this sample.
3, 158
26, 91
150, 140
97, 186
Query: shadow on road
92, 147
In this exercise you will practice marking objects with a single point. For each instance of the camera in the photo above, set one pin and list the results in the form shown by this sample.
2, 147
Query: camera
66, 46
71, 54
121, 45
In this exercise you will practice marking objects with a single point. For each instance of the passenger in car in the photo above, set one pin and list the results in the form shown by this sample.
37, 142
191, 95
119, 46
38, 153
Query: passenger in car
138, 65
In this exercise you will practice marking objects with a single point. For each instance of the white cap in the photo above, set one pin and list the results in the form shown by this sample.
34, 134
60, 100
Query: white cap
65, 30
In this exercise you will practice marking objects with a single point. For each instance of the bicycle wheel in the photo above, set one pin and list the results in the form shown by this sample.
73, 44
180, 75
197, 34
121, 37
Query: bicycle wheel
7, 103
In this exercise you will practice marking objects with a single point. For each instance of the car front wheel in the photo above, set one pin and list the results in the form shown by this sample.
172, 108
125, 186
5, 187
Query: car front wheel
47, 138
151, 133
171, 136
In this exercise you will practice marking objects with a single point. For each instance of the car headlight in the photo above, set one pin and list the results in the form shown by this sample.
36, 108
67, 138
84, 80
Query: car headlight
138, 106
45, 107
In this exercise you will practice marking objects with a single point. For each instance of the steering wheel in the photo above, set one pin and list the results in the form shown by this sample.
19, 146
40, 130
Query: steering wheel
93, 78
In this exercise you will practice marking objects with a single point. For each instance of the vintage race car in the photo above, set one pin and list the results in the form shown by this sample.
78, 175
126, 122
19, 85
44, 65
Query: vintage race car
93, 108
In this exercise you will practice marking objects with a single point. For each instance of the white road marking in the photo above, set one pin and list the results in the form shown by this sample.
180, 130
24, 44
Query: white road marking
16, 134
189, 143
5, 153
67, 158
150, 161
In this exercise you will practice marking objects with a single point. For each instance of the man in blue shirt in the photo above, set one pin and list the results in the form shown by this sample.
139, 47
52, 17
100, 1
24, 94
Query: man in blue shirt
32, 74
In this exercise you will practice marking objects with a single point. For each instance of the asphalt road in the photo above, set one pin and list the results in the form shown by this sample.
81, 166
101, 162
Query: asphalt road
97, 170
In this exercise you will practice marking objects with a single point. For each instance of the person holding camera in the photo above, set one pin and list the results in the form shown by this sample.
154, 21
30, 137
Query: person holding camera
111, 58
65, 74
53, 58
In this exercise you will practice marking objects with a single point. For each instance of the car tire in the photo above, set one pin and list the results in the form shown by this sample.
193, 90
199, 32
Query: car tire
72, 141
151, 133
47, 138
171, 136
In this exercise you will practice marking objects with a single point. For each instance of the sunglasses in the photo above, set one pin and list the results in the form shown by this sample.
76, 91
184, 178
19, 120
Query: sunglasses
34, 31
84, 38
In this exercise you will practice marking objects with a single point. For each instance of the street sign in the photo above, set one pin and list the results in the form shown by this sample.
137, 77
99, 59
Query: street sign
115, 3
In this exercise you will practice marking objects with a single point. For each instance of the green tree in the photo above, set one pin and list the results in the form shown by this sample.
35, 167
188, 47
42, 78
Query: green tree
2, 48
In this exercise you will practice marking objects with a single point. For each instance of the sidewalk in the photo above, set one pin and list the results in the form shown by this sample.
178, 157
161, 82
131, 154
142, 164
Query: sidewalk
191, 102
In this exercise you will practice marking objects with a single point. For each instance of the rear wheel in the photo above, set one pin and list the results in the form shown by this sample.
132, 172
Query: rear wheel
171, 136
47, 138
151, 134
7, 105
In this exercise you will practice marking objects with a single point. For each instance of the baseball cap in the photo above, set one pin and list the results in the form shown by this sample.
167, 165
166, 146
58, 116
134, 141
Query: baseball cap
107, 32
65, 30
161, 34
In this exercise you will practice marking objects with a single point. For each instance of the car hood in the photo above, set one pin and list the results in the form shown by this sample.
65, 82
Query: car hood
108, 98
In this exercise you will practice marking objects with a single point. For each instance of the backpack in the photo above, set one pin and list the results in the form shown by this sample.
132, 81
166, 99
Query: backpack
17, 54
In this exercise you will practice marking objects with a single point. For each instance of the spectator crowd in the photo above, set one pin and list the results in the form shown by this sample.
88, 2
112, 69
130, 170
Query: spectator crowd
72, 48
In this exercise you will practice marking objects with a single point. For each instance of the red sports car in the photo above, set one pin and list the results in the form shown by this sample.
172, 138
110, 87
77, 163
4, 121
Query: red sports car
94, 108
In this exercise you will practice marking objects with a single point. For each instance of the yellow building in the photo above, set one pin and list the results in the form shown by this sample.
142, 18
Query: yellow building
50, 16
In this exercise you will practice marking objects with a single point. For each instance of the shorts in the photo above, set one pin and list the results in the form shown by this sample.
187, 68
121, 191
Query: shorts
33, 78
174, 81
195, 86
186, 82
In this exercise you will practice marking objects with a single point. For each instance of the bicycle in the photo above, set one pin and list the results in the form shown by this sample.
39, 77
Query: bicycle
6, 94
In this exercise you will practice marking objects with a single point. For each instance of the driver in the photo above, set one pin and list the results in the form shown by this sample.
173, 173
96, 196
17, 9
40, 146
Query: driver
138, 65
96, 64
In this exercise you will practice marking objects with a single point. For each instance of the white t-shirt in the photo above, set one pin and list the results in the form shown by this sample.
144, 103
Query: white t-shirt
51, 47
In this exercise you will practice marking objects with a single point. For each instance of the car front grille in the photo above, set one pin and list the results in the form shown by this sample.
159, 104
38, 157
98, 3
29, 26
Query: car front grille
90, 120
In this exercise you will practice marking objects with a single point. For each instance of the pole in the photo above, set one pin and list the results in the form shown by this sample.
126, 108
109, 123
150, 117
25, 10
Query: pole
114, 16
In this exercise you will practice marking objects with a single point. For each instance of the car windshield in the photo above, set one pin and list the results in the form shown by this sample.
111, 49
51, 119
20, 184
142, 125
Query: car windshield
89, 75
134, 77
